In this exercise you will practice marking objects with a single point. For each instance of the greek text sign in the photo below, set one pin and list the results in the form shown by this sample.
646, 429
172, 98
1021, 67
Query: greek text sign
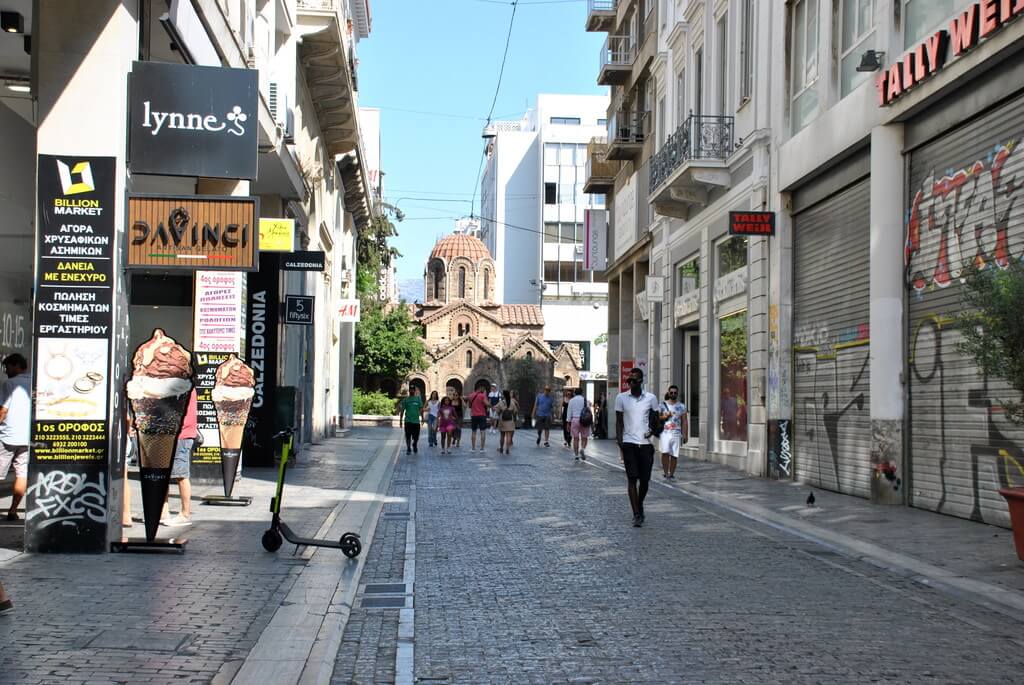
193, 232
187, 120
277, 235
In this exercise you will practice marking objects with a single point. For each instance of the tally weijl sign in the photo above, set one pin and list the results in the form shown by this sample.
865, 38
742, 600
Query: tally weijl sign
187, 120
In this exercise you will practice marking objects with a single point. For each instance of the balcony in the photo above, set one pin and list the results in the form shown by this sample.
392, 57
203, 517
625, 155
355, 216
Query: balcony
626, 134
601, 172
600, 15
616, 61
690, 164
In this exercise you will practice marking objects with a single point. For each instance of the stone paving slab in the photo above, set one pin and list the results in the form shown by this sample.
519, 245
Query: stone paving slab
214, 600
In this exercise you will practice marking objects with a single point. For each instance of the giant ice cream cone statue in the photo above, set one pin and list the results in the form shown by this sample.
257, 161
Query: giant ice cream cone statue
232, 398
158, 392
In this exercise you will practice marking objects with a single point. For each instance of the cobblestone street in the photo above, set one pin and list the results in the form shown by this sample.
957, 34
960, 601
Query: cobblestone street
527, 571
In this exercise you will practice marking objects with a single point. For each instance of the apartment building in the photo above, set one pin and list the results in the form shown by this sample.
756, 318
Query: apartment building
900, 167
227, 112
534, 177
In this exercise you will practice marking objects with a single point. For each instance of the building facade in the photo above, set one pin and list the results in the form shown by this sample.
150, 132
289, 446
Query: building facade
534, 176
73, 94
471, 337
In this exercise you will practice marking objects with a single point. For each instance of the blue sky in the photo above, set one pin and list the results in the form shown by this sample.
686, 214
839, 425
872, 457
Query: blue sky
443, 57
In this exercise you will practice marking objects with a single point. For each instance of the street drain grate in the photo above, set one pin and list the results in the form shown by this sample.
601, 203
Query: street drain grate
384, 589
823, 553
139, 641
402, 481
397, 515
383, 602
529, 466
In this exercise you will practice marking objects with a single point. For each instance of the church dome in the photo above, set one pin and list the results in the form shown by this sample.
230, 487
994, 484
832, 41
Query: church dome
460, 245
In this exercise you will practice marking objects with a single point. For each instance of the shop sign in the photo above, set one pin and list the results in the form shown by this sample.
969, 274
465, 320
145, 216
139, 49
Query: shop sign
206, 459
655, 289
595, 239
188, 120
298, 309
686, 304
277, 235
66, 509
751, 223
194, 232
304, 261
219, 296
966, 30
625, 369
625, 209
348, 311
262, 315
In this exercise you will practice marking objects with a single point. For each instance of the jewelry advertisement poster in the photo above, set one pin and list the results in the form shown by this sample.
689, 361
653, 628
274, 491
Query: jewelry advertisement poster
72, 332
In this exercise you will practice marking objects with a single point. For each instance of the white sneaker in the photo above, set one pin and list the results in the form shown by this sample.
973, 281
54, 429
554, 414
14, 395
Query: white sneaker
179, 521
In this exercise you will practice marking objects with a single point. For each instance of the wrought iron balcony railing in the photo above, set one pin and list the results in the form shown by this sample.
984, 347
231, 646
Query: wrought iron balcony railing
701, 136
617, 51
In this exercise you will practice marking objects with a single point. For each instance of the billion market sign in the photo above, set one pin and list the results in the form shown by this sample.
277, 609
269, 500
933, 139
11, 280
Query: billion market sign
966, 30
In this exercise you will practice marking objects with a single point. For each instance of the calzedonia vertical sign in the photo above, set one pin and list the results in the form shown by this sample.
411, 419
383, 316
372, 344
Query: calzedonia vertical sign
66, 508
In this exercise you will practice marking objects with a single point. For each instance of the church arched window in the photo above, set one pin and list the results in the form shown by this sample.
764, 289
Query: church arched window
438, 279
469, 359
529, 356
462, 281
487, 283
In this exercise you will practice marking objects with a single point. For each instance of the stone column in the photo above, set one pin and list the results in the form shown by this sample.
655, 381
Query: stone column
887, 392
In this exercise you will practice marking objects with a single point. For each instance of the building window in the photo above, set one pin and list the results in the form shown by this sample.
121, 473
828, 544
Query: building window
858, 35
529, 356
602, 122
661, 122
732, 391
805, 62
487, 283
921, 16
688, 276
698, 82
568, 121
732, 255
438, 279
550, 193
680, 97
747, 53
551, 233
462, 281
469, 359
722, 40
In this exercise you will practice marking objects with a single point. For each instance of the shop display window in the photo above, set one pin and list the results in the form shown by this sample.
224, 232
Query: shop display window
732, 391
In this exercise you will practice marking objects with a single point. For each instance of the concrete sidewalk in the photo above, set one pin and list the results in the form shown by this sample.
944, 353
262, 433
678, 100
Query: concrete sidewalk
215, 612
974, 561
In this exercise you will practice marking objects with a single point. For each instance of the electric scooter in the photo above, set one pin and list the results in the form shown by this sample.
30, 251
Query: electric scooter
279, 531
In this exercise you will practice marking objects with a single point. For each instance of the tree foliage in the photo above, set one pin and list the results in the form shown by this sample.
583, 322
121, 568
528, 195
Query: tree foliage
992, 328
388, 343
373, 254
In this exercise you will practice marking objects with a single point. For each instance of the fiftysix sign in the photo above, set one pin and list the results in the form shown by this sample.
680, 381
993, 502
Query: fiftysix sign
187, 120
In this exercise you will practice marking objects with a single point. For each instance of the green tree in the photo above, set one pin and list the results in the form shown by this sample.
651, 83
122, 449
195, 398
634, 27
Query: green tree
992, 328
388, 345
373, 254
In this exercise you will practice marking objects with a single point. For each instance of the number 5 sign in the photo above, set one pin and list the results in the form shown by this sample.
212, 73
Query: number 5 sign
348, 311
298, 309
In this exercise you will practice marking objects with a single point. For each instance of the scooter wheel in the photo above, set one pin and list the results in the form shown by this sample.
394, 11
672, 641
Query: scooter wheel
272, 540
350, 545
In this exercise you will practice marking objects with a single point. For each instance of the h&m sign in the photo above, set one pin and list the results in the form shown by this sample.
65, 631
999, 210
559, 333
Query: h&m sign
187, 120
969, 27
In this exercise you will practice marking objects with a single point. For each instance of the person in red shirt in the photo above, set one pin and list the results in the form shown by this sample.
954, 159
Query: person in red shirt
181, 469
478, 408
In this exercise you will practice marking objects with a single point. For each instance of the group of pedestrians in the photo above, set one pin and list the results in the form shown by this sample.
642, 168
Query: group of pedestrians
489, 411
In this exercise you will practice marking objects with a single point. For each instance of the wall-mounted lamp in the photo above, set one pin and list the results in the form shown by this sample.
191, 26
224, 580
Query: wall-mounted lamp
871, 60
27, 43
12, 22
17, 85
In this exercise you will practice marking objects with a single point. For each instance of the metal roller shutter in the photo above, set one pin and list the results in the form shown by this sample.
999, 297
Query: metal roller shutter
831, 343
966, 205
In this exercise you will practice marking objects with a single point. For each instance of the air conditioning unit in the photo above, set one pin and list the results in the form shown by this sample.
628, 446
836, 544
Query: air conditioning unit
282, 111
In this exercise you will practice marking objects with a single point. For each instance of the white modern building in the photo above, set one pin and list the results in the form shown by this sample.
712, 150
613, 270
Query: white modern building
532, 212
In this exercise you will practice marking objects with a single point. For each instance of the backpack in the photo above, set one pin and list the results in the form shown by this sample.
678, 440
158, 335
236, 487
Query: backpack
586, 416
657, 426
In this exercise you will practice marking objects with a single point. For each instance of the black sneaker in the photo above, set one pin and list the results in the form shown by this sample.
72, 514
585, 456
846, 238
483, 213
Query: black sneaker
415, 450
576, 459
638, 521
538, 440
583, 455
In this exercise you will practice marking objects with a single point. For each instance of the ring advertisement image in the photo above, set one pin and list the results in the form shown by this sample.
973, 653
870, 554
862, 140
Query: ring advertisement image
66, 506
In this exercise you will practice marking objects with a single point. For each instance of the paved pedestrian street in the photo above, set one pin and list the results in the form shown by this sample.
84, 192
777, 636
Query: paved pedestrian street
485, 568
527, 570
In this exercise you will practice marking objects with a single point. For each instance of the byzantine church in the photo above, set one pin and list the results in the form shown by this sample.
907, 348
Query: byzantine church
469, 337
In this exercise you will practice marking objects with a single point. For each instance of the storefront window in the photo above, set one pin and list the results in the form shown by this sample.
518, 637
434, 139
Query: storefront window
688, 275
732, 394
921, 16
732, 255
805, 62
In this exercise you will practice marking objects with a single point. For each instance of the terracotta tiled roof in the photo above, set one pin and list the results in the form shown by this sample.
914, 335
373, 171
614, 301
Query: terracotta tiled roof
521, 315
460, 245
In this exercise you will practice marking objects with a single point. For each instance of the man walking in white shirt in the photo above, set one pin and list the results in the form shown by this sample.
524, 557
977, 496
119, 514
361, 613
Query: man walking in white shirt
579, 432
15, 417
632, 433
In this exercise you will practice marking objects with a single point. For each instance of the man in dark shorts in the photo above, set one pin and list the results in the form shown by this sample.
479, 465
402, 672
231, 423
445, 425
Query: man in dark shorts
479, 408
412, 408
632, 433
542, 408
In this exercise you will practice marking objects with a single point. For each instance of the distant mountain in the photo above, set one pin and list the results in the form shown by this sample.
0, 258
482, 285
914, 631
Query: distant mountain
410, 289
